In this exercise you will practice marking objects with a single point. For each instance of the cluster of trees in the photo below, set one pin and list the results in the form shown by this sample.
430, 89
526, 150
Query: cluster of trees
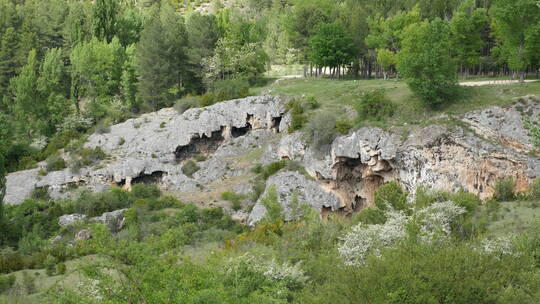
107, 59
67, 65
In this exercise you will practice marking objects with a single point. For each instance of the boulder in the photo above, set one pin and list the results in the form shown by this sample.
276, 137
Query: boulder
113, 220
70, 219
83, 235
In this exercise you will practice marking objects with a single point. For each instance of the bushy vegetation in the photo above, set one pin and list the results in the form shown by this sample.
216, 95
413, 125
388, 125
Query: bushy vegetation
504, 190
190, 168
374, 106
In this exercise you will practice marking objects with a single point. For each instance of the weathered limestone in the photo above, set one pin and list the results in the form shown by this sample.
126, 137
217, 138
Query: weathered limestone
153, 147
286, 183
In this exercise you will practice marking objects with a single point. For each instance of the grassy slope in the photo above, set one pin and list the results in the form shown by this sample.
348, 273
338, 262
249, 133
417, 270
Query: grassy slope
515, 218
338, 96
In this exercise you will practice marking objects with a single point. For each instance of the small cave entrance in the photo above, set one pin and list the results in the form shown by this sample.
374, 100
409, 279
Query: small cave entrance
154, 178
237, 132
276, 121
200, 145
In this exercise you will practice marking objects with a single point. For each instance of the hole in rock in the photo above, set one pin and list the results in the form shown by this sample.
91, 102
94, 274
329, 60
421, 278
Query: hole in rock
237, 132
200, 145
154, 178
276, 121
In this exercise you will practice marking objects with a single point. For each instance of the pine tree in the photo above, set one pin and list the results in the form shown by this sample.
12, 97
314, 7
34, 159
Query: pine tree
161, 58
104, 15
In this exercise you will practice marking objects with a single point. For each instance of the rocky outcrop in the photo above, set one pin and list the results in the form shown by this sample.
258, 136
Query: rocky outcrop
113, 220
286, 183
70, 219
153, 147
229, 138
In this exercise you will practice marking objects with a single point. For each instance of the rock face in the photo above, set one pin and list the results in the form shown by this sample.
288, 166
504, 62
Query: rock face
70, 219
308, 191
235, 135
113, 220
152, 148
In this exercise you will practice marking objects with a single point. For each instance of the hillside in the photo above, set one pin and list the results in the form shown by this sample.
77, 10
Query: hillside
269, 151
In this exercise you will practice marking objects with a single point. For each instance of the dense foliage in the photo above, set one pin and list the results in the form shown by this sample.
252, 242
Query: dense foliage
101, 62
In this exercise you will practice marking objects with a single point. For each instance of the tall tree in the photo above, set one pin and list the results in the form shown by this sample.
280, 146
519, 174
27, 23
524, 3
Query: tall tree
426, 63
331, 47
203, 35
468, 26
514, 22
27, 107
162, 58
104, 19
52, 86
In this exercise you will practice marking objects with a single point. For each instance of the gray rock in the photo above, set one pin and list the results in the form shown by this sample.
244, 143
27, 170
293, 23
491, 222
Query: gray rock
83, 235
20, 185
70, 219
157, 143
286, 183
113, 220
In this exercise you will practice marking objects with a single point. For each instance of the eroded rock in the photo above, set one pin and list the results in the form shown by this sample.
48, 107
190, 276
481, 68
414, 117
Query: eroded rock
70, 219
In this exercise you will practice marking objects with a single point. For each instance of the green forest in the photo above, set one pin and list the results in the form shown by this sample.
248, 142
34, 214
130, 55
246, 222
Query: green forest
71, 68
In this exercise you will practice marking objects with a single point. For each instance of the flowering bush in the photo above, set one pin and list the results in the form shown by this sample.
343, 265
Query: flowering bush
498, 246
278, 278
435, 220
369, 239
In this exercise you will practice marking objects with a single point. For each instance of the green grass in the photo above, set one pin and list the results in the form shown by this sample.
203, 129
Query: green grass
338, 96
515, 217
43, 282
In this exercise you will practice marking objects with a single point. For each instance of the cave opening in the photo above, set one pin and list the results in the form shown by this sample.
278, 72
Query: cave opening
154, 178
276, 121
355, 184
200, 145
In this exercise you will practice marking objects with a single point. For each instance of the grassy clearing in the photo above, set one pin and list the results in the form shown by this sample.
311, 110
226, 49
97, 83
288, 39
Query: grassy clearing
338, 96
515, 217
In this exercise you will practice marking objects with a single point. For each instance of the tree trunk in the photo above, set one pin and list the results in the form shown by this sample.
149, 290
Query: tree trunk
522, 76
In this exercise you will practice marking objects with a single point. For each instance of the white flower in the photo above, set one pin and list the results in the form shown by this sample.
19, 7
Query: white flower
366, 239
435, 219
498, 246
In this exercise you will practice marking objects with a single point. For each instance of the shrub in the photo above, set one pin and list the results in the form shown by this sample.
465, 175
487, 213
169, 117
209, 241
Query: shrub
312, 103
121, 141
199, 157
55, 163
230, 89
274, 210
320, 132
103, 127
61, 268
189, 168
6, 281
298, 117
88, 157
234, 198
343, 126
50, 265
187, 103
504, 190
272, 169
374, 106
370, 216
534, 190
41, 193
142, 191
207, 99
391, 195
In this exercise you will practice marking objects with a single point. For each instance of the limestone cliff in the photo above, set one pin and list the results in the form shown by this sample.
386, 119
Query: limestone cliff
235, 135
